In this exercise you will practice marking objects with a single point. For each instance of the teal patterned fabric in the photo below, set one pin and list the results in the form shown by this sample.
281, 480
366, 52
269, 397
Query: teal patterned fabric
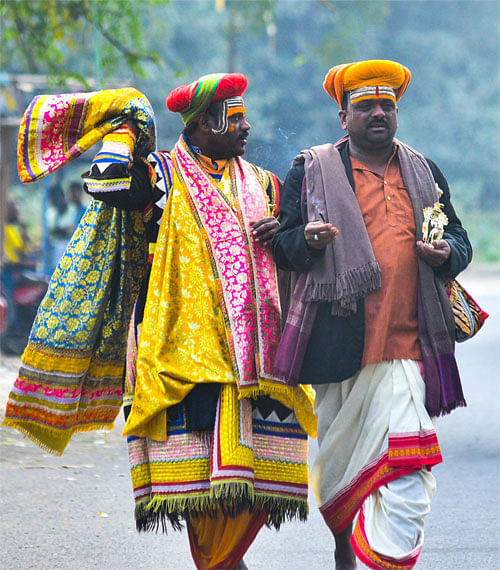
92, 291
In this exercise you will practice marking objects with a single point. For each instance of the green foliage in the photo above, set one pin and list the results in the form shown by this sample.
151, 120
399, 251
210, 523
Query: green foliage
450, 112
41, 35
346, 23
484, 234
482, 223
451, 109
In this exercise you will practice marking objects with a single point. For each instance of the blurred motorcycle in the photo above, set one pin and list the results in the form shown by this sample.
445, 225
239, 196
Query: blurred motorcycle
18, 307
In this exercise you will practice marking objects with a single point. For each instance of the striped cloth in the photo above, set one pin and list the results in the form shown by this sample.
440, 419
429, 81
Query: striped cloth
56, 129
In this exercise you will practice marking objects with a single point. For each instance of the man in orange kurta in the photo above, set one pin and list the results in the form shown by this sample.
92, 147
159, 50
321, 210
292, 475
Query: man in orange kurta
366, 289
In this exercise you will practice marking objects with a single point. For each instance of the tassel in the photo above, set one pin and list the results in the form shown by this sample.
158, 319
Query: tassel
156, 514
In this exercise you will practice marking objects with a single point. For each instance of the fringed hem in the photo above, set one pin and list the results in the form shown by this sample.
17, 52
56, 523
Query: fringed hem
347, 288
265, 388
34, 438
231, 493
447, 410
154, 514
56, 445
281, 509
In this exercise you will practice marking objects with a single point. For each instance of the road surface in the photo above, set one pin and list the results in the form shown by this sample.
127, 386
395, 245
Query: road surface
75, 512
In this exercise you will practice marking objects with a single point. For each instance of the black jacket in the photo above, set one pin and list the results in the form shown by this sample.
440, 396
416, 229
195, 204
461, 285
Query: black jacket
335, 349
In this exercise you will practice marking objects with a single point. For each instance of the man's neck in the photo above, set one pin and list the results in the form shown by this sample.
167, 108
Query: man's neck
201, 147
374, 159
212, 165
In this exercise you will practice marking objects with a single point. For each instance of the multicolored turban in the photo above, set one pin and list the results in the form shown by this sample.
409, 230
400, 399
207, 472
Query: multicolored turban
376, 78
193, 99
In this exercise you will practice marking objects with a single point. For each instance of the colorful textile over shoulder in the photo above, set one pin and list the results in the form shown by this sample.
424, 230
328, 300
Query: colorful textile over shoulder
70, 378
363, 75
56, 129
191, 100
254, 265
270, 181
237, 286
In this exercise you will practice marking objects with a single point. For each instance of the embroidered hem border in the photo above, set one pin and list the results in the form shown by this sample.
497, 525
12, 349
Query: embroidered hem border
405, 453
49, 412
244, 463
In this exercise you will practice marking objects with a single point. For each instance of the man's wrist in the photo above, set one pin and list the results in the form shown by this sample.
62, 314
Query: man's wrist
121, 140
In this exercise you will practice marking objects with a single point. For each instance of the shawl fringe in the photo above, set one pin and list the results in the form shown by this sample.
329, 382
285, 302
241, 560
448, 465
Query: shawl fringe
50, 440
270, 389
348, 288
232, 498
444, 411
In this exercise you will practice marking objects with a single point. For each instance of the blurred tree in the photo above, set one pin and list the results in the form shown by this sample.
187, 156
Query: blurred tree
450, 111
245, 18
454, 56
37, 35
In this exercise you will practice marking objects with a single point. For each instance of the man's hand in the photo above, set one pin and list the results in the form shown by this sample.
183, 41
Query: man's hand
436, 254
264, 230
319, 234
132, 125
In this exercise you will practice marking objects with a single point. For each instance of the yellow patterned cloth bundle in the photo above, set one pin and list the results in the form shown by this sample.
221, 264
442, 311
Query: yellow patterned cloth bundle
71, 374
70, 379
56, 129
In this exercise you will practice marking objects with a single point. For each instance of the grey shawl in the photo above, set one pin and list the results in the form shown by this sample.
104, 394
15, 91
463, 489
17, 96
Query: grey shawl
349, 271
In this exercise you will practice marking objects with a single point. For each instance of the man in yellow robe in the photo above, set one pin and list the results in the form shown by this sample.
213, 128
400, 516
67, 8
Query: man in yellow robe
215, 439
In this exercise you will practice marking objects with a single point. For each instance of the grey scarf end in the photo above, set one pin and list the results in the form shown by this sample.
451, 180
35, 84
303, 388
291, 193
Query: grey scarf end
347, 289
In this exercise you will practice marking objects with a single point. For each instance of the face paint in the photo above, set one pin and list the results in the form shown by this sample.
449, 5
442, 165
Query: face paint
230, 106
372, 92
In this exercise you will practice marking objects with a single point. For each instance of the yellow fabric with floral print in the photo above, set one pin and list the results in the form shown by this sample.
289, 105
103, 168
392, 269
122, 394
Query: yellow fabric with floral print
192, 343
183, 337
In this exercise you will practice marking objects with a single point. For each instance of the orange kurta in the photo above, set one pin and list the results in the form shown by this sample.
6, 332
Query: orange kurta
391, 327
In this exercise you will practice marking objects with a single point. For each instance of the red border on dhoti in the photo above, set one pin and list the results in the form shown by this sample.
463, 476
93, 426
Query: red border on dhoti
376, 561
405, 453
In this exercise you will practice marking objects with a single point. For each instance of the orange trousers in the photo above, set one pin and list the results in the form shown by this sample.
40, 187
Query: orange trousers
221, 541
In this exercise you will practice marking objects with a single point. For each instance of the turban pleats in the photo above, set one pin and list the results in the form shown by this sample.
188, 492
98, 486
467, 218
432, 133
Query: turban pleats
193, 99
371, 73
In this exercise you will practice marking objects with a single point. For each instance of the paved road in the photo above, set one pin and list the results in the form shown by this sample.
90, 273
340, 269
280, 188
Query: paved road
76, 512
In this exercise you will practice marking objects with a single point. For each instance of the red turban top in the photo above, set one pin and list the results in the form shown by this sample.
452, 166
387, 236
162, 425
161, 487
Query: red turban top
191, 100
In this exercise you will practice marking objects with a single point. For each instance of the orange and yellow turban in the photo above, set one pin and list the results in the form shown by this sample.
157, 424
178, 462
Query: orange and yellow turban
376, 78
191, 100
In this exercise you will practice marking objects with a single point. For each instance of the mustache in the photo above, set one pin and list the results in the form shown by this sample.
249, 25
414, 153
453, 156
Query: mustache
378, 123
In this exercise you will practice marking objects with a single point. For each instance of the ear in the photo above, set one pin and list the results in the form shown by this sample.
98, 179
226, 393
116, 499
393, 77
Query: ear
204, 123
342, 118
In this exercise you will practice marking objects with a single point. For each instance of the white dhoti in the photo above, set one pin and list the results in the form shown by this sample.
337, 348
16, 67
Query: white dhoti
377, 444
